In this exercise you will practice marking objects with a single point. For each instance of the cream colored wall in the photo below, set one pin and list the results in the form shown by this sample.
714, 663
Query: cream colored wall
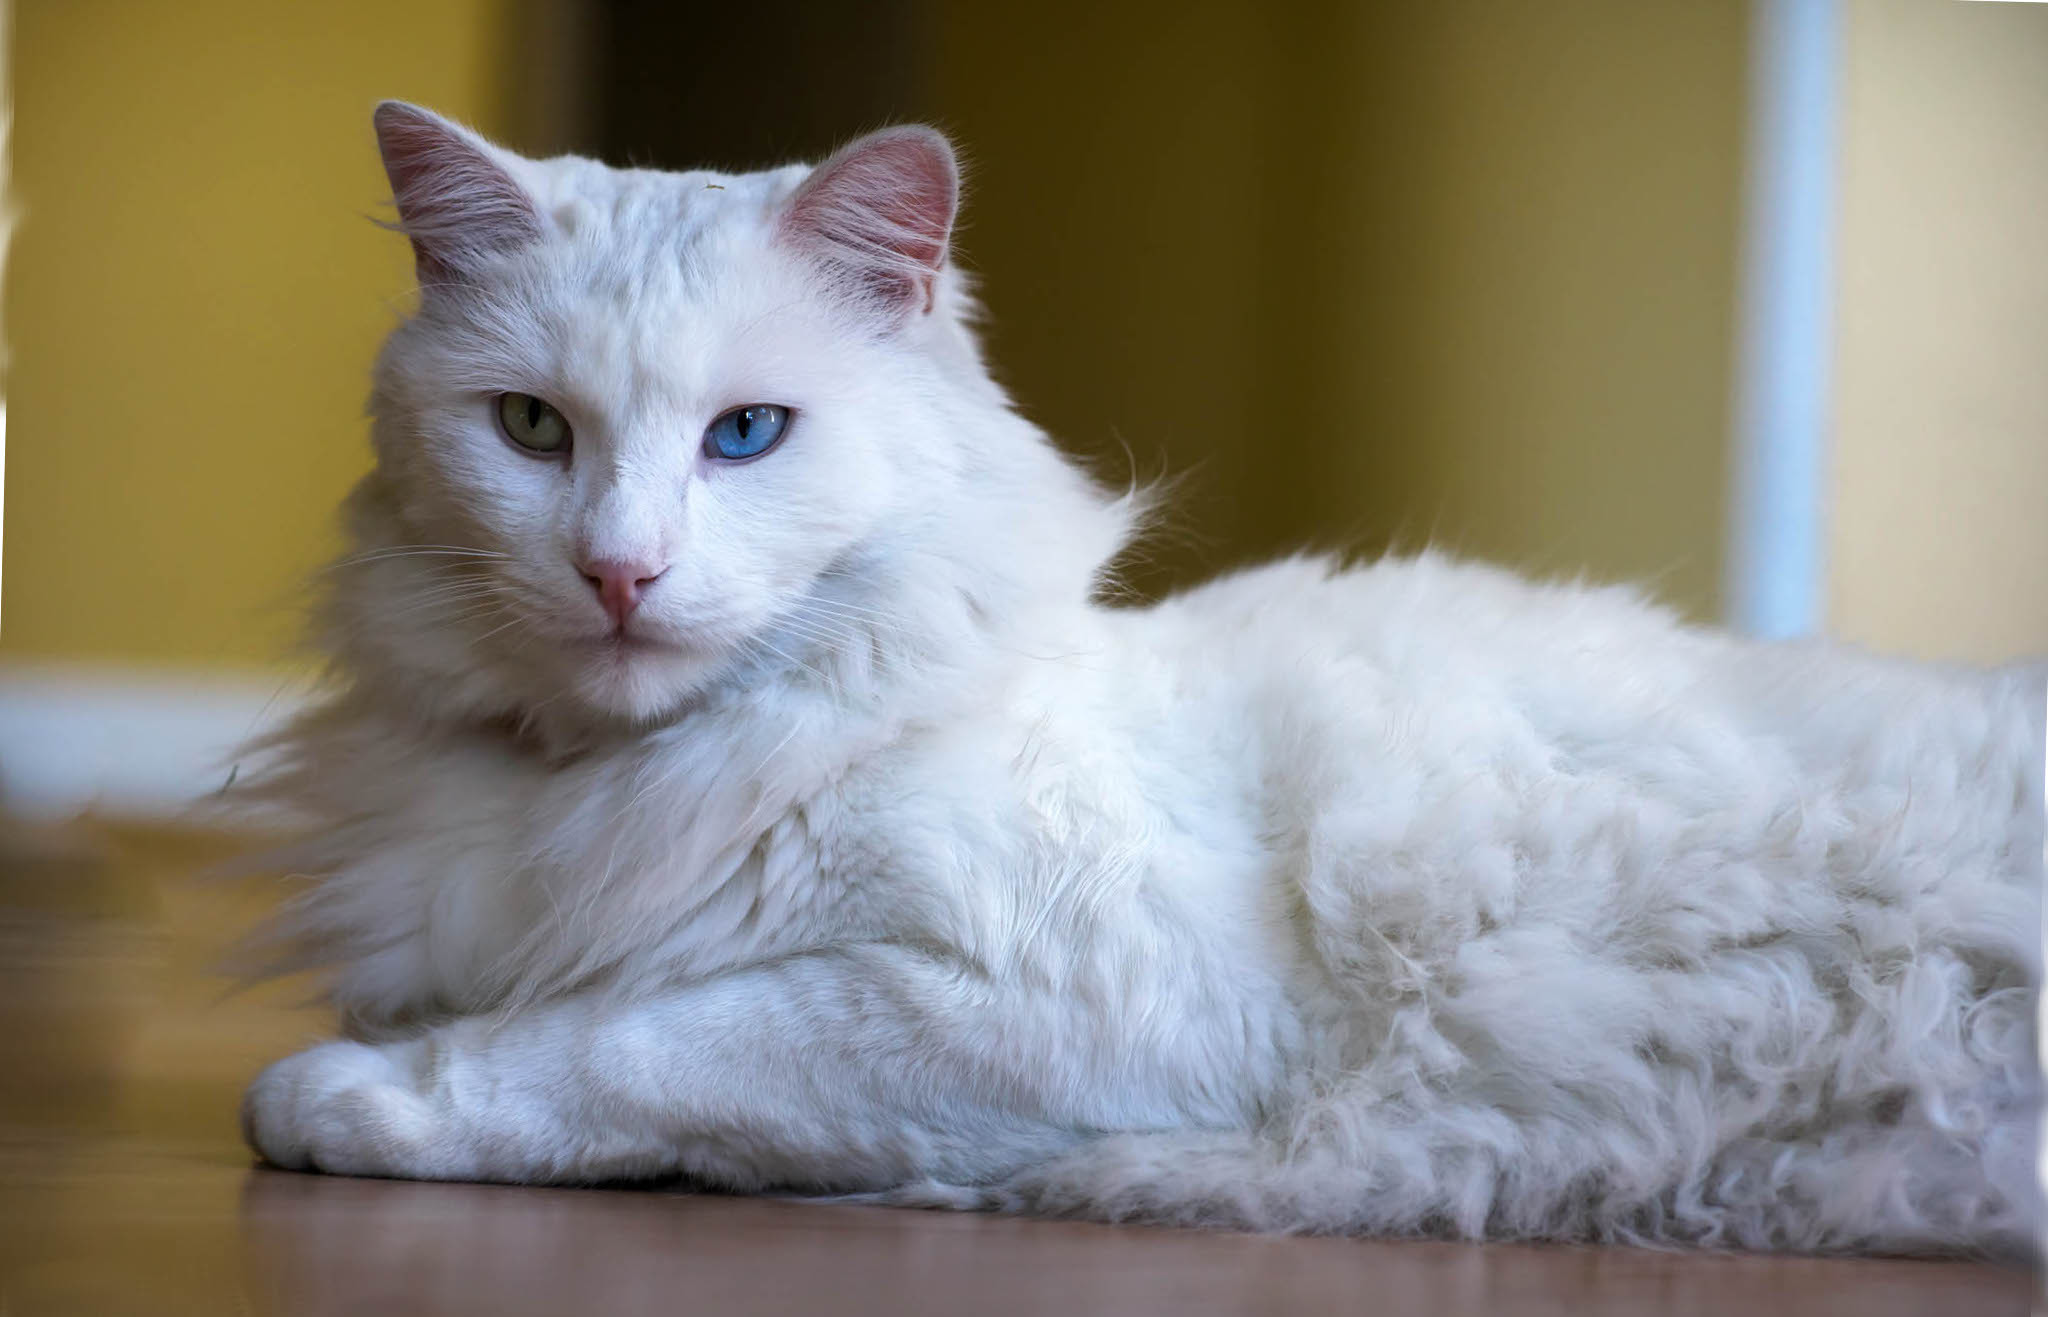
1374, 274
1939, 532
1540, 299
1420, 270
193, 298
1450, 270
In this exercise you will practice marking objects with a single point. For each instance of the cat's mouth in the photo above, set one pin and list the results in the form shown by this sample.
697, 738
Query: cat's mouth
628, 644
620, 645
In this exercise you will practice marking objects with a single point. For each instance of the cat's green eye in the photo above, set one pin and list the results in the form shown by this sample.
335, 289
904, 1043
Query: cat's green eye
532, 424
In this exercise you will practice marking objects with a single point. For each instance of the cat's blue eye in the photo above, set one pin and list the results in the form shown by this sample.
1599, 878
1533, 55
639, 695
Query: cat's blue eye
746, 431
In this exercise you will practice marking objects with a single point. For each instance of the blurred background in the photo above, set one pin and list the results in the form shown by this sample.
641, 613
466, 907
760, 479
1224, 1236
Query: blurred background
1747, 303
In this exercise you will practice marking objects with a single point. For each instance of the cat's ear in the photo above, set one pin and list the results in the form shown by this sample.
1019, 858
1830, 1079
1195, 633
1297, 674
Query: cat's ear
878, 216
456, 200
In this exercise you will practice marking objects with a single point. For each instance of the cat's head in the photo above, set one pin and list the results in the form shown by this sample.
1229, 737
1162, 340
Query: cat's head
648, 430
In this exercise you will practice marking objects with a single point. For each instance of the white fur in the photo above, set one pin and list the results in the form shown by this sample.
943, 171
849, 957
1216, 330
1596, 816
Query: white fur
1408, 898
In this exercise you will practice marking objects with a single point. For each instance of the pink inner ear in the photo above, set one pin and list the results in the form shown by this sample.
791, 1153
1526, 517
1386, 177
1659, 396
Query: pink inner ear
454, 201
880, 212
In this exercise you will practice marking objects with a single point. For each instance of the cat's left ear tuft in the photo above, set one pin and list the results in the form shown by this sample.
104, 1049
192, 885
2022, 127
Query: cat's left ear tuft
879, 215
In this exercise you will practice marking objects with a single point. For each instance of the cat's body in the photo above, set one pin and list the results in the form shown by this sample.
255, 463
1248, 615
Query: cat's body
1411, 897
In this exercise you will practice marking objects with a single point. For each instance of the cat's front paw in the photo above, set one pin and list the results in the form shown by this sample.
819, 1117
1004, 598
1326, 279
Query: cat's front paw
348, 1109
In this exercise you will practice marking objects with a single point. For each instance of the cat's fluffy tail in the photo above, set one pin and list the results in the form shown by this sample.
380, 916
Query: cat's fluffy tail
1246, 1181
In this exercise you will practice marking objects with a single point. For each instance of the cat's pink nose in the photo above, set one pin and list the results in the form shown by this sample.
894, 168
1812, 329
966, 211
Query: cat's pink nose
619, 585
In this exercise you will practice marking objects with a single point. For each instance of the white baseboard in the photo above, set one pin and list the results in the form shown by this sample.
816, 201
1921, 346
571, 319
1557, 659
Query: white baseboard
138, 743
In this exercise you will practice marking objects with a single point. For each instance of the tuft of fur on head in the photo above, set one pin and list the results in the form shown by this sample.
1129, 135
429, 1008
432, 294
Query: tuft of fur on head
908, 511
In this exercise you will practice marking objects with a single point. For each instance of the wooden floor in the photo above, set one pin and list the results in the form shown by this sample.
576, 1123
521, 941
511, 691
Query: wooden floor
124, 1189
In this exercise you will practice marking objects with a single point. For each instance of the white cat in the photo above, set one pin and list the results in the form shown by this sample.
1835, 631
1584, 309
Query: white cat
731, 775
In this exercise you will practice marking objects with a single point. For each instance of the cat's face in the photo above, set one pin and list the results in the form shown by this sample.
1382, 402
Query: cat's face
639, 415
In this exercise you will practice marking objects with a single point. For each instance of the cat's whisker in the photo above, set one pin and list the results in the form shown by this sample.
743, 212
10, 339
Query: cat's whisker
441, 589
777, 749
854, 610
428, 548
830, 652
856, 614
516, 620
797, 620
417, 551
817, 630
449, 605
789, 659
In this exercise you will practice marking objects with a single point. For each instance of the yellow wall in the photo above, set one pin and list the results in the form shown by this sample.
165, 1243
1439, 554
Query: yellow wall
1939, 536
193, 298
1542, 327
1425, 269
1417, 270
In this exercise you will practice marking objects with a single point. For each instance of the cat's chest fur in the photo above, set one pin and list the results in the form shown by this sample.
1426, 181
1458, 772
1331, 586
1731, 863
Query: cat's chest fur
1064, 829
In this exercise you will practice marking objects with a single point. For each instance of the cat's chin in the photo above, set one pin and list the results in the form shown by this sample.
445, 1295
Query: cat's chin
616, 649
637, 678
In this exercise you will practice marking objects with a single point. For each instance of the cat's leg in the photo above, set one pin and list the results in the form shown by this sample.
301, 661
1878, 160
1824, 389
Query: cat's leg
848, 1070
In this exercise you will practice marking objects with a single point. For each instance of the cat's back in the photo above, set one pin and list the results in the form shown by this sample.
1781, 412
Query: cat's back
1426, 698
1466, 647
1597, 672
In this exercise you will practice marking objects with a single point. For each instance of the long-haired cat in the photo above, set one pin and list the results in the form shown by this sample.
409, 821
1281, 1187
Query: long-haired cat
732, 774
